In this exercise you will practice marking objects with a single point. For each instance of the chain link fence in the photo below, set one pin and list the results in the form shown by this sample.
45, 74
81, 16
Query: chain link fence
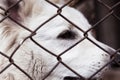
58, 57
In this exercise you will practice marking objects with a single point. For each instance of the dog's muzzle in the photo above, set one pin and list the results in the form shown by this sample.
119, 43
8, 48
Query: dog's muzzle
116, 59
116, 62
71, 78
75, 78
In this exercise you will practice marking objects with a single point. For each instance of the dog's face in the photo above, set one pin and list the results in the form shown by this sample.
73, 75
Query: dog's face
57, 35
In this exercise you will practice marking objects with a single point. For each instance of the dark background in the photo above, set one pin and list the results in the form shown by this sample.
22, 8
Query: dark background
108, 31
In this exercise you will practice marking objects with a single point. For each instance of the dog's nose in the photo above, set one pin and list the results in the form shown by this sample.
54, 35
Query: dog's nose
116, 62
67, 34
71, 78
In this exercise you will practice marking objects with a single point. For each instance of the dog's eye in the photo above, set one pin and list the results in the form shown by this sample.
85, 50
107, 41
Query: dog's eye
71, 78
67, 35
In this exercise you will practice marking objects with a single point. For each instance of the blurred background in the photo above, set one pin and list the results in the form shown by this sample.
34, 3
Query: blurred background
108, 31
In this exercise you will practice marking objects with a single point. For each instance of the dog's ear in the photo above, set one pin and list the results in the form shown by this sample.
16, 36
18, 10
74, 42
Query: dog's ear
10, 7
8, 29
20, 9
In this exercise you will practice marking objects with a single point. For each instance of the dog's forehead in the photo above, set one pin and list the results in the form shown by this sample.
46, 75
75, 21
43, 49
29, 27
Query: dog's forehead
71, 14
41, 9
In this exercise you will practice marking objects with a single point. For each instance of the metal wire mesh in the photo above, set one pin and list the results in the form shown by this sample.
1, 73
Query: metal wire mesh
58, 57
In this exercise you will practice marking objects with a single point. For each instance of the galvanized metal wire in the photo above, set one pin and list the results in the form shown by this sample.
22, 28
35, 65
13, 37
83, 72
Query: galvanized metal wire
6, 15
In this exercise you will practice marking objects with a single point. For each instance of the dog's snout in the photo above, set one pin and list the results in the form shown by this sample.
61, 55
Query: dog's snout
71, 78
67, 34
116, 61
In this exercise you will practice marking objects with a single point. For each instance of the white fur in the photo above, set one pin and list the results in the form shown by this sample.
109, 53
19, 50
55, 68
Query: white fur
85, 58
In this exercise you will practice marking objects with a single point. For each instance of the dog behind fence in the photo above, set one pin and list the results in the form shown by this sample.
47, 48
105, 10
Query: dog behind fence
9, 15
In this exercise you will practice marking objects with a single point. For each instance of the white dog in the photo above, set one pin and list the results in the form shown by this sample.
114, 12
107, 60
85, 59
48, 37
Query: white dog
56, 35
